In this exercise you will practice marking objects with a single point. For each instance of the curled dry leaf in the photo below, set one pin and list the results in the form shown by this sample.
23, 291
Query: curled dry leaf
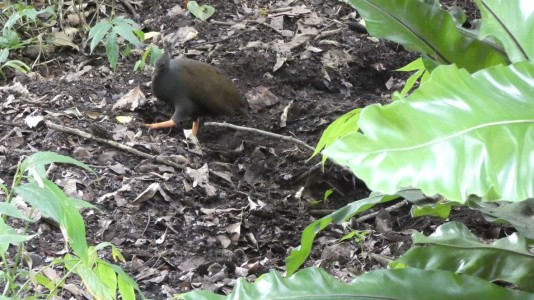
148, 193
131, 101
59, 38
283, 117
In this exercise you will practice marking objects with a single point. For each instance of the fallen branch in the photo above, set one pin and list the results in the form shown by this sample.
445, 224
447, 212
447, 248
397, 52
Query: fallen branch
267, 133
86, 135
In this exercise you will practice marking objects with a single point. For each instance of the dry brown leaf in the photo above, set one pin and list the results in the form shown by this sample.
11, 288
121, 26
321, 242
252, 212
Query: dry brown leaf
59, 38
260, 97
131, 101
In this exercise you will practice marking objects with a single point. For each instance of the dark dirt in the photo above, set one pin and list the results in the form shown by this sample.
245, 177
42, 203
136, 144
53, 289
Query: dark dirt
255, 216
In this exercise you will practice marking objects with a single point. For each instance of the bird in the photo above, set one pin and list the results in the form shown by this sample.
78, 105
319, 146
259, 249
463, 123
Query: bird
194, 89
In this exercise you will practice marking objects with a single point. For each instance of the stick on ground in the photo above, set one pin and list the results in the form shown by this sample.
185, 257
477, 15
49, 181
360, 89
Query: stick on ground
86, 135
267, 133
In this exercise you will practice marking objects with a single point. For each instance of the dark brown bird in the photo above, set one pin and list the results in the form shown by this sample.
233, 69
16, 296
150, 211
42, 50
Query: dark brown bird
194, 89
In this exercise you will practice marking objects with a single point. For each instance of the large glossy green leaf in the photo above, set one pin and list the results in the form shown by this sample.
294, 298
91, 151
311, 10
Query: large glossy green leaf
518, 214
512, 23
458, 134
422, 26
405, 284
453, 248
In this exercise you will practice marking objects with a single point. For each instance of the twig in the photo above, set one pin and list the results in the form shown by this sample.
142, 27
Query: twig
328, 33
390, 208
8, 134
222, 23
381, 259
86, 135
267, 133
325, 212
130, 7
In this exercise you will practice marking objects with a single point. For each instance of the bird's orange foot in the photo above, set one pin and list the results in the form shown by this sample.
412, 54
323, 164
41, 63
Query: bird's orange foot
165, 124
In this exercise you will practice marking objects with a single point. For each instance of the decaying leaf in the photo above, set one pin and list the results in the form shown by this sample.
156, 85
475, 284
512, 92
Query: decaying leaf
131, 101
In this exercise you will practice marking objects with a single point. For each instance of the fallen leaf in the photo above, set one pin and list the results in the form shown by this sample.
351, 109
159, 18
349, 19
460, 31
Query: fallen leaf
59, 38
261, 97
131, 101
124, 119
33, 121
200, 177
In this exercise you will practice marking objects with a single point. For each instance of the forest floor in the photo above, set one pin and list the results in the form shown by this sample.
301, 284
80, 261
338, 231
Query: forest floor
235, 206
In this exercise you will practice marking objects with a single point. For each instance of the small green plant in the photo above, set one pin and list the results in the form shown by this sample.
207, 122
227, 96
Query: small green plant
356, 235
326, 195
109, 31
22, 25
12, 64
421, 73
151, 51
202, 12
30, 184
344, 125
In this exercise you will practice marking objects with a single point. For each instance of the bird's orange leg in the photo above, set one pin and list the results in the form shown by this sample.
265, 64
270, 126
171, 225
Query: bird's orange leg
196, 126
165, 124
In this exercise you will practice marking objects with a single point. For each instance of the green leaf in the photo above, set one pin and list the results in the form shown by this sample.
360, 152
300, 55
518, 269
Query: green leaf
299, 255
154, 53
10, 40
509, 22
453, 248
518, 214
126, 31
448, 137
441, 210
458, 15
139, 65
4, 53
44, 158
126, 290
52, 201
11, 210
125, 282
416, 65
12, 20
18, 65
341, 127
38, 197
14, 239
112, 51
107, 276
92, 282
405, 284
202, 12
98, 32
5, 230
422, 26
